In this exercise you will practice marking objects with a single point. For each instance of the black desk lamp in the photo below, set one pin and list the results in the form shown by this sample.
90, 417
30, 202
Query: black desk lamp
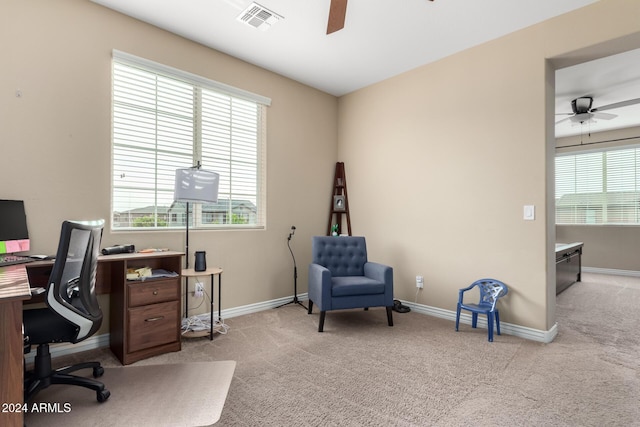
295, 273
195, 185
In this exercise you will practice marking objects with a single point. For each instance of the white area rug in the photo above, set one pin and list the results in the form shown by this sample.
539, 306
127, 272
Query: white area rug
185, 394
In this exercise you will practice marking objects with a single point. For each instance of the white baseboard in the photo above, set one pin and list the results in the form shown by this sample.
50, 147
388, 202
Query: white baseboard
505, 328
611, 271
260, 306
99, 341
508, 328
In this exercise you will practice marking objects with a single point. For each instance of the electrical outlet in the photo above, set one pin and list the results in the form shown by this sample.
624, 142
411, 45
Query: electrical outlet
199, 292
419, 282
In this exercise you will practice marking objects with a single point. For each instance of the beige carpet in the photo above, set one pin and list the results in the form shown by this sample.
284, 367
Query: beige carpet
420, 372
185, 394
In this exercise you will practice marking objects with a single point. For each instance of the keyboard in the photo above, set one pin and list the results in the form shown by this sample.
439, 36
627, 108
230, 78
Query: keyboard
6, 260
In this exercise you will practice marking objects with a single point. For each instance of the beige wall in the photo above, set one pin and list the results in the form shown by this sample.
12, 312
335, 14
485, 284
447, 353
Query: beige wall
56, 139
442, 159
610, 246
439, 161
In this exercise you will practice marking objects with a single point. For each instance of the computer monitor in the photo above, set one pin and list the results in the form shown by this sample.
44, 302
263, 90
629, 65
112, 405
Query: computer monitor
14, 236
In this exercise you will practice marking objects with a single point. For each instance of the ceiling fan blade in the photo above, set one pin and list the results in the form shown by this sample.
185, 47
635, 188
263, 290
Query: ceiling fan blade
563, 120
337, 13
604, 116
618, 105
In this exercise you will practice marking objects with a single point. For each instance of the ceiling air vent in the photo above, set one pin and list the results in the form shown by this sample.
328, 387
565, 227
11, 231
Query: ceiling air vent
259, 17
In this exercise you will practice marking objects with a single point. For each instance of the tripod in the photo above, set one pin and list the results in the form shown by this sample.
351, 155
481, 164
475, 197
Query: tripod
295, 273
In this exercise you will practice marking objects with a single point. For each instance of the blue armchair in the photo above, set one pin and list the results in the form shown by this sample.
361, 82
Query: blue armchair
340, 277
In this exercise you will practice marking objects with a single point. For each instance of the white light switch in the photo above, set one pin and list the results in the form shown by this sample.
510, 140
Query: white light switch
529, 212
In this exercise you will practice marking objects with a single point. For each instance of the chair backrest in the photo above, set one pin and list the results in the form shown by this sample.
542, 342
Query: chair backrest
491, 290
342, 255
71, 290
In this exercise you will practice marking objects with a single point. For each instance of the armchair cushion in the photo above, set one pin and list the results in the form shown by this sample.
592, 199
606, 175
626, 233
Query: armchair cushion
355, 285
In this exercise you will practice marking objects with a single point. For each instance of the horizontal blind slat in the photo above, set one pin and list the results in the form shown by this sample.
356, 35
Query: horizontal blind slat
598, 187
160, 121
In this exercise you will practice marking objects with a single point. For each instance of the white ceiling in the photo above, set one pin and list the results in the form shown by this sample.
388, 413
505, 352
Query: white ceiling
381, 39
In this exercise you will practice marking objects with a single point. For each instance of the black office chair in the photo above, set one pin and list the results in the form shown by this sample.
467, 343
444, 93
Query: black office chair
72, 313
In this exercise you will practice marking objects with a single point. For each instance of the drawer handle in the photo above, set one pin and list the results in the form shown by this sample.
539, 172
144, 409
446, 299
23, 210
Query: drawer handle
155, 292
154, 319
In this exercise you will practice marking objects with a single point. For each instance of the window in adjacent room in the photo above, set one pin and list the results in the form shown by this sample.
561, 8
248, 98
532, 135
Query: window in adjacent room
164, 119
600, 187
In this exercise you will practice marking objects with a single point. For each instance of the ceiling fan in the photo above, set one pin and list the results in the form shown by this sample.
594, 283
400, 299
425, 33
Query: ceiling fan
582, 111
337, 13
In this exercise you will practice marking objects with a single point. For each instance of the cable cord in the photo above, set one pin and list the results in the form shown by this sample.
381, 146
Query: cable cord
202, 322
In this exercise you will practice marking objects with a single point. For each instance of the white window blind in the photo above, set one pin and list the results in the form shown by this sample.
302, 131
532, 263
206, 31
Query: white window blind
598, 187
165, 119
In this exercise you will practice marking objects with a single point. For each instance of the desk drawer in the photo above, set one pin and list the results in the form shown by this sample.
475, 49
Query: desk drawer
153, 325
152, 292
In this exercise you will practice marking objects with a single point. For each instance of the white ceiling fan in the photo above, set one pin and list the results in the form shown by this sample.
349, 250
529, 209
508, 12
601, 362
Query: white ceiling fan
582, 111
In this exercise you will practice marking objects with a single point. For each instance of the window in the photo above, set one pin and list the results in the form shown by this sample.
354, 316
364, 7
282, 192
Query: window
598, 187
164, 119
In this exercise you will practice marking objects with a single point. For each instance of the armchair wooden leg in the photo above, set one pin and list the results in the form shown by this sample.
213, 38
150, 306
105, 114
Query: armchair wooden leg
321, 324
390, 316
310, 307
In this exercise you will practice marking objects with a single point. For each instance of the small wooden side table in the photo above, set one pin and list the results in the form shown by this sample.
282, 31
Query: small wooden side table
213, 272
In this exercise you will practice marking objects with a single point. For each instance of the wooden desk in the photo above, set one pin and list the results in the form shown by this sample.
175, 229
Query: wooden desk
14, 288
144, 316
39, 271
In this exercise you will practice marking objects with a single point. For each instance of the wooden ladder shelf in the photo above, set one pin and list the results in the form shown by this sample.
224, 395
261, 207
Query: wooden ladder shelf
339, 201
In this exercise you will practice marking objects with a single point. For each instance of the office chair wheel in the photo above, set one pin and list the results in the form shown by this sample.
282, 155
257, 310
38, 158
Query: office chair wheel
103, 395
98, 372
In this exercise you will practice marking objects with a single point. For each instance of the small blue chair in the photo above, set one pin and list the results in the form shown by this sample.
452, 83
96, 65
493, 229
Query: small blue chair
490, 291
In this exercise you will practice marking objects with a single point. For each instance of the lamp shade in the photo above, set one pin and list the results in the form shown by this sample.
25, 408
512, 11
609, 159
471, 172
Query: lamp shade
196, 185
